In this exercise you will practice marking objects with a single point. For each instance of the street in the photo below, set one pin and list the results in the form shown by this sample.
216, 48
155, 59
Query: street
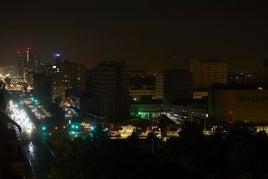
37, 154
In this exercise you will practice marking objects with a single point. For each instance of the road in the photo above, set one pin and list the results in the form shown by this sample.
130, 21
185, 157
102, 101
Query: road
38, 156
34, 149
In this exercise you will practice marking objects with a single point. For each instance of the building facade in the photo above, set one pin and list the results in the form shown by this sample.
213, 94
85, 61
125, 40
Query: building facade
174, 86
8, 71
263, 72
110, 90
27, 65
237, 102
141, 86
208, 72
42, 87
67, 78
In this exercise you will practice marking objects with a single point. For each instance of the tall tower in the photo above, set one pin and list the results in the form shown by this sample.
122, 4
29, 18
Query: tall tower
28, 55
21, 64
28, 64
57, 58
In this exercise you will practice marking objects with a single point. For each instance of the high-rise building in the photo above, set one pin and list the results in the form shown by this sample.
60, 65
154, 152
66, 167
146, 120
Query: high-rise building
42, 87
57, 58
141, 86
174, 86
69, 76
46, 69
159, 86
28, 64
110, 90
20, 64
88, 81
8, 71
208, 72
263, 72
265, 63
141, 80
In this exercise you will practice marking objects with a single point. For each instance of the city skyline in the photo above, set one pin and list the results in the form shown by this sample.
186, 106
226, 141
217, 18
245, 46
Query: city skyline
149, 36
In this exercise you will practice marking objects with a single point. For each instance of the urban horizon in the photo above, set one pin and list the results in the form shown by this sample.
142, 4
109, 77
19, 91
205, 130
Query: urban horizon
151, 36
171, 63
133, 89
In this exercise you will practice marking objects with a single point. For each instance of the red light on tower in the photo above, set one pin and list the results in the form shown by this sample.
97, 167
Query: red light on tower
27, 54
19, 54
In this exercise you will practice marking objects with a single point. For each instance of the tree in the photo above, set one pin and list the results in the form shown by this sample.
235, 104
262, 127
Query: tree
163, 124
134, 137
242, 159
2, 97
191, 131
57, 112
58, 100
100, 133
7, 81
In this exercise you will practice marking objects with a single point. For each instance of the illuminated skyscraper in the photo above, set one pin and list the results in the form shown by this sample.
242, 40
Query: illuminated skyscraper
28, 55
28, 64
21, 63
67, 78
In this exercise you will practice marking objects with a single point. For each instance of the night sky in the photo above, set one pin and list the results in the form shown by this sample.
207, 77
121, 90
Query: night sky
149, 35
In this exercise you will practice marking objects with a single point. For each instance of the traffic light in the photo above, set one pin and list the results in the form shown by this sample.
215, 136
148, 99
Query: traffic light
43, 128
74, 127
35, 100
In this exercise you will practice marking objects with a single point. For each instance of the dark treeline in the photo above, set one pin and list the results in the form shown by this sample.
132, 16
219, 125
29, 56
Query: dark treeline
238, 153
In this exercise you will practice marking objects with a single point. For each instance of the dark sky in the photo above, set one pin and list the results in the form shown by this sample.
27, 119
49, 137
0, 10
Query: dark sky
149, 35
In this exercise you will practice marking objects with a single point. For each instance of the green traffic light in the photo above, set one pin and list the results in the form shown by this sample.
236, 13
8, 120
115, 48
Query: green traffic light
43, 128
